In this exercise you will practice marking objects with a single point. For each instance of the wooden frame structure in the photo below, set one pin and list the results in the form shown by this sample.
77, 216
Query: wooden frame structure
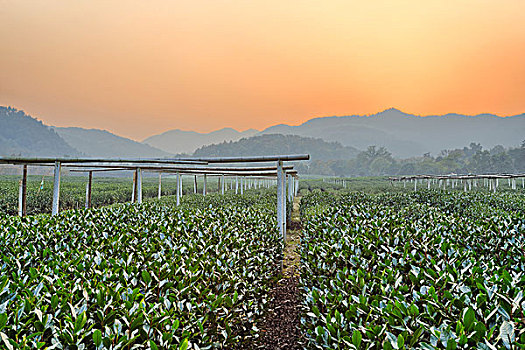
179, 166
468, 181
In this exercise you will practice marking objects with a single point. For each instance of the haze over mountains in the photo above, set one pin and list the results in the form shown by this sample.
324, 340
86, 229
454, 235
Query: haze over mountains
102, 143
407, 135
404, 135
180, 141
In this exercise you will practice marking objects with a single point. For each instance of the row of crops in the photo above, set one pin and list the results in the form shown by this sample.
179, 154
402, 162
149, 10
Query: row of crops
105, 191
139, 276
413, 270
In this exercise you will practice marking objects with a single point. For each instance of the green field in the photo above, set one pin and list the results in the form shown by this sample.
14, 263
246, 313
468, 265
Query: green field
413, 270
105, 191
127, 275
381, 267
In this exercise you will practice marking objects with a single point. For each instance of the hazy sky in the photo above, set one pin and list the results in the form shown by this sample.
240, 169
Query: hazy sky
141, 67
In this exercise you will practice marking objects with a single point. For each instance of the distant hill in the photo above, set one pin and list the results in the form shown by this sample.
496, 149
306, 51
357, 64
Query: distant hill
102, 143
273, 144
22, 135
407, 135
179, 141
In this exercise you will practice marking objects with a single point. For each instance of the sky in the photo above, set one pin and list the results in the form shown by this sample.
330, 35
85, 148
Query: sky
138, 68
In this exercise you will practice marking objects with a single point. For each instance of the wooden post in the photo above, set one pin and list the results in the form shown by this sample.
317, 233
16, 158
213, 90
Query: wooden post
236, 184
222, 183
88, 190
160, 185
56, 189
139, 185
242, 185
178, 188
204, 188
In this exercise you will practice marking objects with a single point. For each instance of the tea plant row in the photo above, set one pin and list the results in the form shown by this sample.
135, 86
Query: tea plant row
138, 276
425, 270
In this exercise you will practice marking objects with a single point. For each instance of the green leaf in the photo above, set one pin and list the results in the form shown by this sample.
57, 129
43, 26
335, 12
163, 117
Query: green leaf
184, 344
146, 276
469, 317
80, 322
3, 321
400, 341
97, 337
451, 344
356, 338
137, 322
152, 345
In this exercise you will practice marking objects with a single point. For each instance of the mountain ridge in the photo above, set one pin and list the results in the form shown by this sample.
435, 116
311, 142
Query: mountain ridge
407, 135
178, 141
103, 143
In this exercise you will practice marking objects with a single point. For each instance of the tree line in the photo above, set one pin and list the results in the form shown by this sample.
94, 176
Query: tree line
378, 161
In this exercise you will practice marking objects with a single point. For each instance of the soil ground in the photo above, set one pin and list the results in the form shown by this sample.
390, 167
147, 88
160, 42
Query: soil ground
280, 328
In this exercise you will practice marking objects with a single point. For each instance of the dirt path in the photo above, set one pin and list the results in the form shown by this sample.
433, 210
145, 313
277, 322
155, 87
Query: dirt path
280, 328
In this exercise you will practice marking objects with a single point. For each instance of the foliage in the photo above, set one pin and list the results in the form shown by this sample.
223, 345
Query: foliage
376, 161
148, 276
105, 191
416, 270
22, 135
278, 144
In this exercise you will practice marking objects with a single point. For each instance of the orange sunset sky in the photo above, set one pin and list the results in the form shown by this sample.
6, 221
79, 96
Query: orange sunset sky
138, 68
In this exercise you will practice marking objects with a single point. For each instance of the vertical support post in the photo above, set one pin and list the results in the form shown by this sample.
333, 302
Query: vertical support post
178, 189
222, 184
134, 191
88, 190
290, 188
195, 184
160, 185
236, 184
22, 200
180, 183
242, 184
415, 185
204, 188
56, 189
139, 185
280, 204
20, 194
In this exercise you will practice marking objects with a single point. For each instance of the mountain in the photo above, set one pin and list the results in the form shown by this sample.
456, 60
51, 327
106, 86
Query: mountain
275, 144
22, 135
407, 135
180, 141
102, 143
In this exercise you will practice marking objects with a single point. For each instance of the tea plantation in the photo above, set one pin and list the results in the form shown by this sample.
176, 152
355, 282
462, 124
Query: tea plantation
138, 276
377, 270
423, 270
